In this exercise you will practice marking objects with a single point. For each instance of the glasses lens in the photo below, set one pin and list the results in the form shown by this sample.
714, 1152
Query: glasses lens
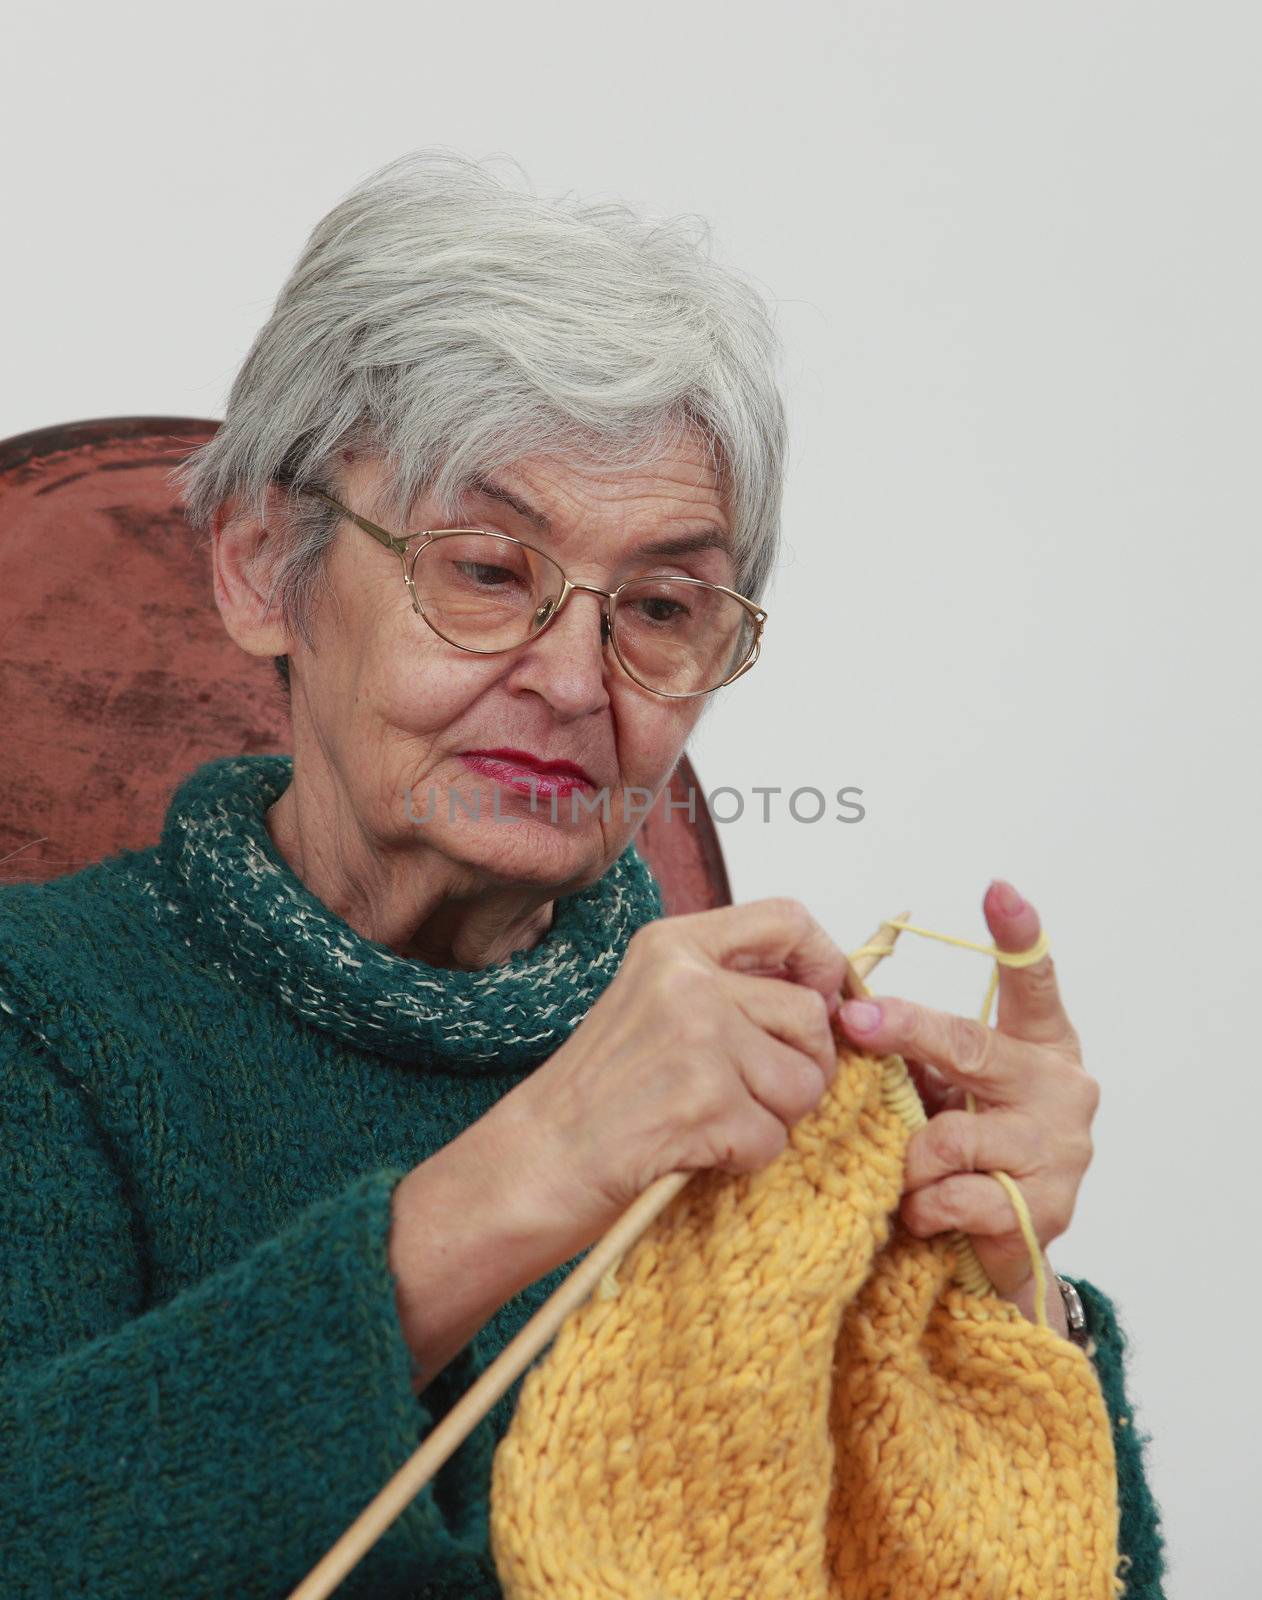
681, 637
485, 591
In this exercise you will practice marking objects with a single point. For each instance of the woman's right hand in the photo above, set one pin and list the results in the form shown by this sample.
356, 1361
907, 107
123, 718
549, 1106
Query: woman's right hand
711, 1041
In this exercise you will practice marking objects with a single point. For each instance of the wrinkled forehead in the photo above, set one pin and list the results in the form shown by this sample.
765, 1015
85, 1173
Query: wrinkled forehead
671, 503
684, 475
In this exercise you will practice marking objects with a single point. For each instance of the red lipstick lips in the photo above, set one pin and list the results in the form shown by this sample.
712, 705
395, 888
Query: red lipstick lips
529, 774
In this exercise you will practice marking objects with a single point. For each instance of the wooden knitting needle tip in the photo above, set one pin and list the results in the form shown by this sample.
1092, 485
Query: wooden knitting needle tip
870, 955
443, 1440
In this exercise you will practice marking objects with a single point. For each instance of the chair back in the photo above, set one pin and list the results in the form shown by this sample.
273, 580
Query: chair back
117, 677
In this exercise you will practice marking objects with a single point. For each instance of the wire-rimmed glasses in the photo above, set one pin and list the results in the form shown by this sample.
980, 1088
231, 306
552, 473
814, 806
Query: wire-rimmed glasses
487, 593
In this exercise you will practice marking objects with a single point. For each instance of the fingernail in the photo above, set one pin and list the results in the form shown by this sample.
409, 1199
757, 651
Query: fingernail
1010, 902
861, 1015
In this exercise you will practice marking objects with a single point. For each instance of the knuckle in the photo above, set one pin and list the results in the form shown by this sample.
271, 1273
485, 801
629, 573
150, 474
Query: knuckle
815, 1007
651, 941
1078, 1150
970, 1045
702, 1093
817, 1024
948, 1204
698, 1106
791, 910
1061, 1214
1089, 1091
1042, 982
1075, 1088
699, 1005
649, 933
690, 1034
953, 1139
682, 985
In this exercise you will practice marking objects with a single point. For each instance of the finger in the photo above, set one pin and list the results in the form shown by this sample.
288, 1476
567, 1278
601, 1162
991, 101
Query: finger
1029, 997
749, 1141
782, 1080
965, 1052
790, 1012
965, 1141
776, 936
969, 1201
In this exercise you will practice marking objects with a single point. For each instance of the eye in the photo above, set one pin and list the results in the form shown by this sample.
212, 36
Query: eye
657, 608
485, 575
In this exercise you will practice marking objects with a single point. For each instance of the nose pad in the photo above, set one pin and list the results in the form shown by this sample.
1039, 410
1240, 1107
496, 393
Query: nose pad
545, 610
559, 664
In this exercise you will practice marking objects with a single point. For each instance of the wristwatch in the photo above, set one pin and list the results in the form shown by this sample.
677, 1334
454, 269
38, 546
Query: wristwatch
1075, 1315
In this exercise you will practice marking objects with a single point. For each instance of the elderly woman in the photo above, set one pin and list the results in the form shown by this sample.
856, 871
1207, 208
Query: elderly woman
309, 1107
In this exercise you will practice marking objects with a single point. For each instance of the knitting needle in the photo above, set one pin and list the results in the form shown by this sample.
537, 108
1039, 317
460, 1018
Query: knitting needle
460, 1421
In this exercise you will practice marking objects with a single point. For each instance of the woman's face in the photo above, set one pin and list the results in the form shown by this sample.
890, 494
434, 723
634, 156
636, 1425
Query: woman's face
406, 726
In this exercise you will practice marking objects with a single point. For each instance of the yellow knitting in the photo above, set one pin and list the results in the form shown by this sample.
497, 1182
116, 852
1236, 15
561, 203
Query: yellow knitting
784, 1395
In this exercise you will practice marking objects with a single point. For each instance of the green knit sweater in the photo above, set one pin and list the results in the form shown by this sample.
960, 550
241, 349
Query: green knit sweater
210, 1086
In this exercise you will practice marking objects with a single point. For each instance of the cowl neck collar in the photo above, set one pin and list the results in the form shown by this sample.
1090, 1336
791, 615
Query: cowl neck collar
260, 924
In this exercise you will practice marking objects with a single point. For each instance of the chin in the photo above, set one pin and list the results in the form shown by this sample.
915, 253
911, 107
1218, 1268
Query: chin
533, 851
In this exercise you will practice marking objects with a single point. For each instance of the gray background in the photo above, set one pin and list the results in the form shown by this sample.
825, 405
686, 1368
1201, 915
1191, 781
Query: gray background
1014, 252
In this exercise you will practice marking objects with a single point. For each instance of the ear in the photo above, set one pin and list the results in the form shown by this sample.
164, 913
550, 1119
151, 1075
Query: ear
244, 555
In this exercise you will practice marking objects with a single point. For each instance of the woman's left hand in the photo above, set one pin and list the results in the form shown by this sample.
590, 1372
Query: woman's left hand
1035, 1104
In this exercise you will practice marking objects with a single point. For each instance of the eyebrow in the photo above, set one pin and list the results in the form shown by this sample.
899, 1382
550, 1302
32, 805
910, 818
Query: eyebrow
685, 544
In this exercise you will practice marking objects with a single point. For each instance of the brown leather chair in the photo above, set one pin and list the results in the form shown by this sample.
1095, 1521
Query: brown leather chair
117, 677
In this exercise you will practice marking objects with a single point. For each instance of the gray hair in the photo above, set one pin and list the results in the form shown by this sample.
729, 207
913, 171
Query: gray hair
452, 323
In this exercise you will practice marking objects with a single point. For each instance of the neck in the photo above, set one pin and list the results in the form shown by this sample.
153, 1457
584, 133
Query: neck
254, 924
415, 902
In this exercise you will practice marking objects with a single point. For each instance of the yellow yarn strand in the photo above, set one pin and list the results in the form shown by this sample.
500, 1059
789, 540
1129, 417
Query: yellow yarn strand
901, 1096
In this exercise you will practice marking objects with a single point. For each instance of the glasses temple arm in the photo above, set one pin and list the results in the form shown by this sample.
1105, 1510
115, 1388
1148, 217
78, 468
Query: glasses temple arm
391, 542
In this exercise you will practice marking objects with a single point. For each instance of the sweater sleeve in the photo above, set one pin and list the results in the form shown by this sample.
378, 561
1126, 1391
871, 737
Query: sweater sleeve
218, 1443
1140, 1536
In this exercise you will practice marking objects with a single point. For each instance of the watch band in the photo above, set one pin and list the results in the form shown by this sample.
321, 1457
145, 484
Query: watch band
1075, 1315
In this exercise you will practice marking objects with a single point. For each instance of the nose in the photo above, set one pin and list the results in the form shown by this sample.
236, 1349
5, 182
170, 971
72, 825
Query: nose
566, 664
